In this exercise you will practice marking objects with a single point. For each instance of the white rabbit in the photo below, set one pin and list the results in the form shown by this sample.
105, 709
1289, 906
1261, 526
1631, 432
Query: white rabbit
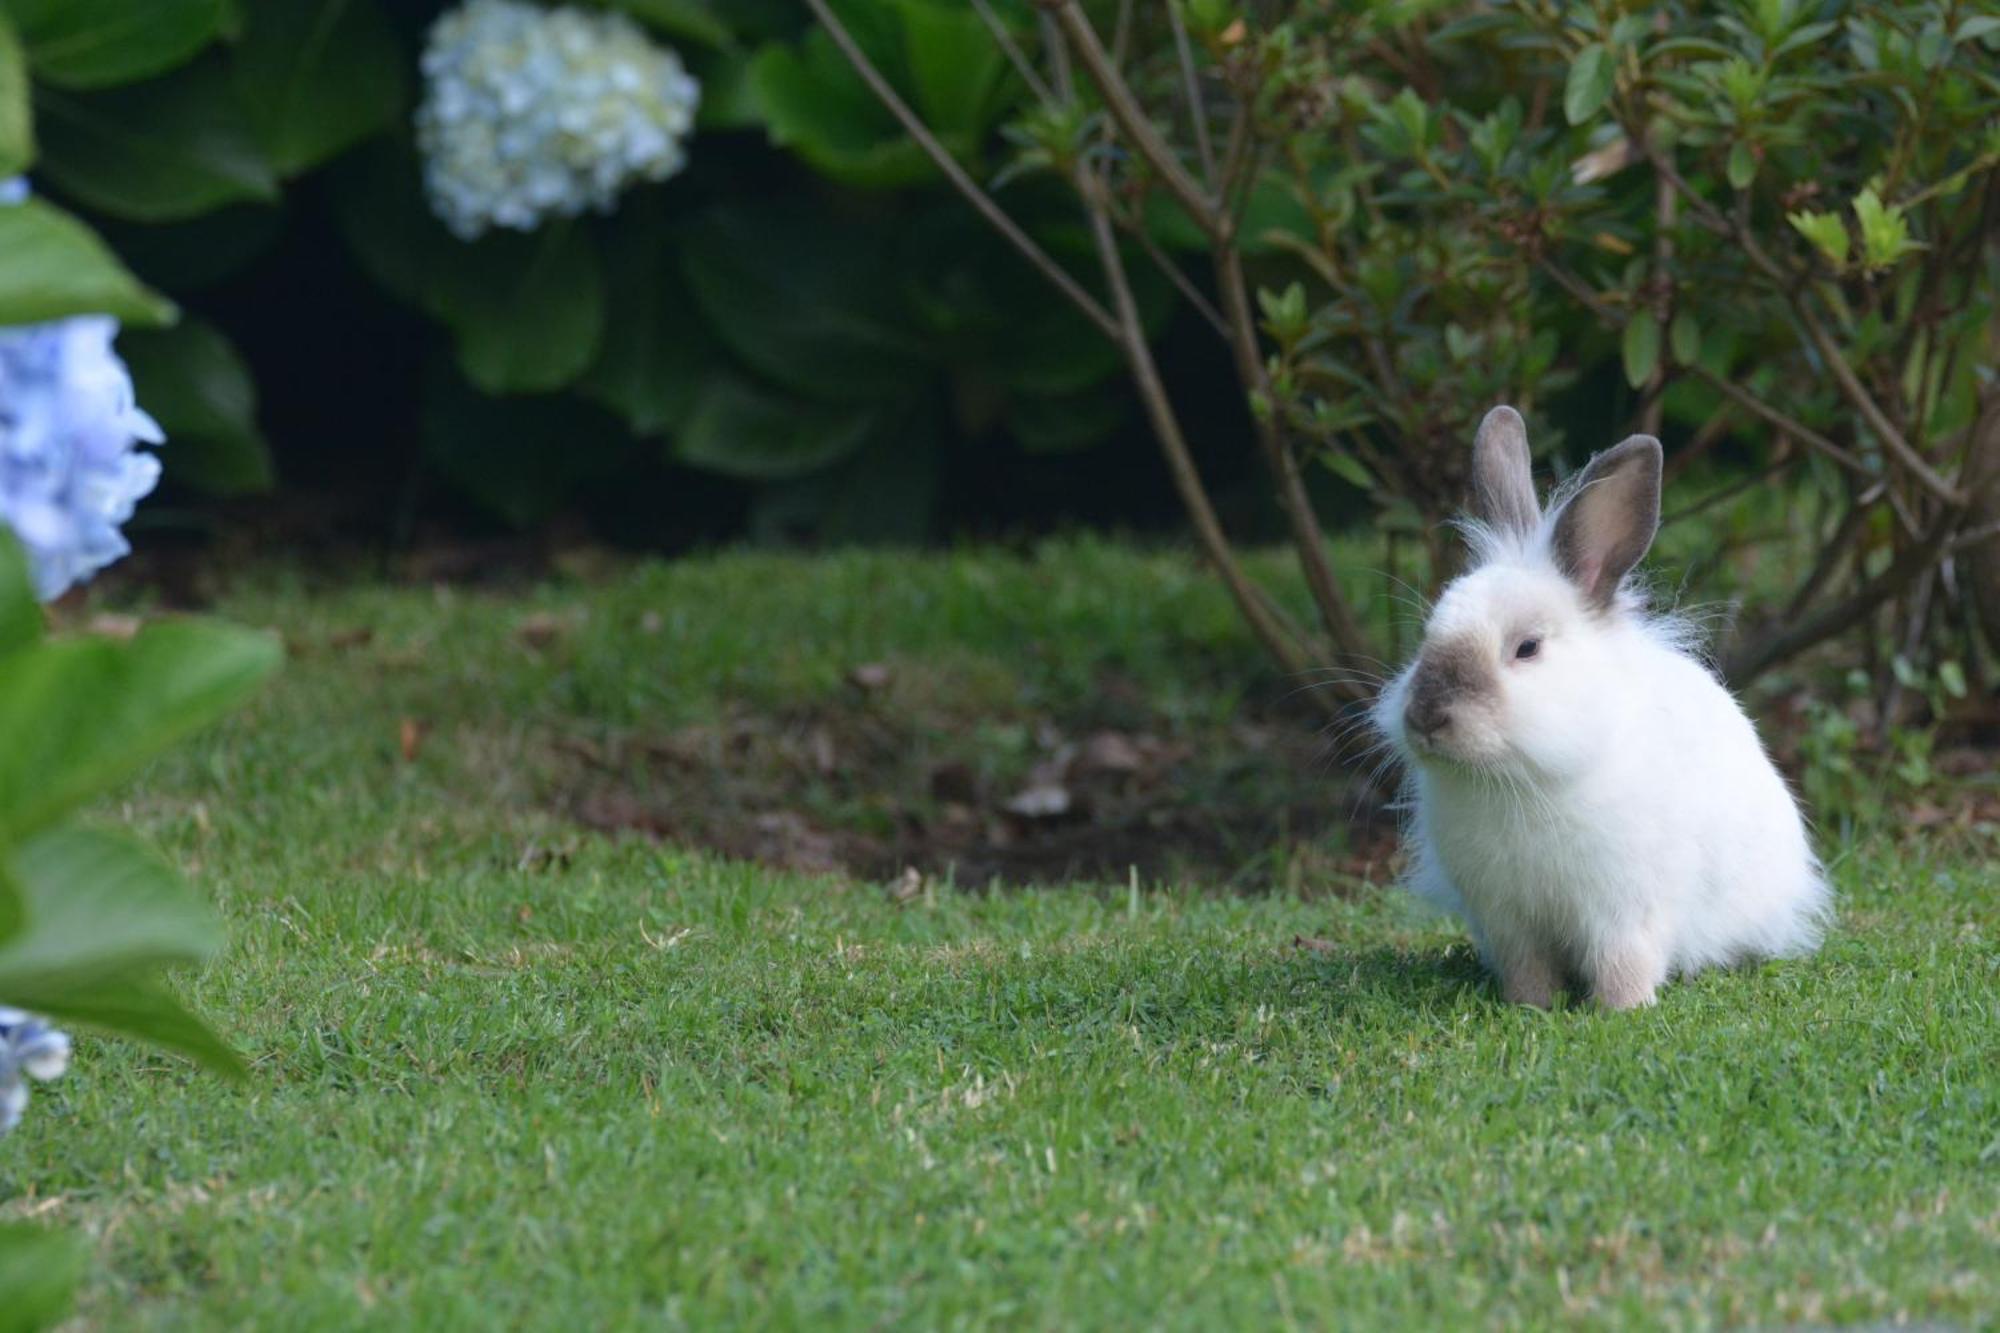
1582, 790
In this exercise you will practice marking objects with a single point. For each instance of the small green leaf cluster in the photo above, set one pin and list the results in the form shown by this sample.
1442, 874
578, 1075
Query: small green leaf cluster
89, 917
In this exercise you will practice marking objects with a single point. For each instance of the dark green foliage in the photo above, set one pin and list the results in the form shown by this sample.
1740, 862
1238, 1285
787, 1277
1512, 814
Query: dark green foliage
1656, 220
196, 386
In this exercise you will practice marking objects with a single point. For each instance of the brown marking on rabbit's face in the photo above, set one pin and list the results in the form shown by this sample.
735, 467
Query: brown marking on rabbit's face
1455, 687
1500, 658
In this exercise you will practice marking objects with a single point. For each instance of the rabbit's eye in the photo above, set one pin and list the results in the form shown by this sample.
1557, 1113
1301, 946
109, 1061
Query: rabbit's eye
1526, 649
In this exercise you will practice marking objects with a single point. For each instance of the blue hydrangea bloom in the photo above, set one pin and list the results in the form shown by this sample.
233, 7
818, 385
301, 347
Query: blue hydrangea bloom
29, 1048
69, 473
531, 113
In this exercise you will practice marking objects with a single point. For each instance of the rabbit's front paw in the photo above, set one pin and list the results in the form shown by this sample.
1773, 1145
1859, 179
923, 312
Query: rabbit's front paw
1529, 979
1628, 975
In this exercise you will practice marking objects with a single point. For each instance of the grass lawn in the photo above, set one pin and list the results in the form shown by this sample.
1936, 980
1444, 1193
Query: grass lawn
513, 1073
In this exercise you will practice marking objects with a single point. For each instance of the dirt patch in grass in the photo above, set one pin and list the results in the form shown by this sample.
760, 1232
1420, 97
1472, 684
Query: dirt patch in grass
908, 772
874, 791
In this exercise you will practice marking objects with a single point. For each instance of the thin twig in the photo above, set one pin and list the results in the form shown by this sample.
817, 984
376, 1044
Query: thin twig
1704, 439
956, 174
1913, 639
1728, 493
1191, 89
1121, 34
1015, 56
1757, 407
1052, 42
1654, 412
1833, 551
1236, 153
1278, 639
1335, 612
1784, 640
1972, 537
1581, 294
1175, 274
1212, 216
1132, 121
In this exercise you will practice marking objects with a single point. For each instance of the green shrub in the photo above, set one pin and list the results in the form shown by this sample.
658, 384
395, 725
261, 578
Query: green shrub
1769, 224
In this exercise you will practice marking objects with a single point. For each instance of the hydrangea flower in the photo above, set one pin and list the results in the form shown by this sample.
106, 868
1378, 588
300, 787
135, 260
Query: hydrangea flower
69, 474
530, 113
29, 1048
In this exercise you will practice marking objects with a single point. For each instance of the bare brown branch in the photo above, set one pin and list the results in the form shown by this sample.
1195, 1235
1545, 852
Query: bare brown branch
1279, 640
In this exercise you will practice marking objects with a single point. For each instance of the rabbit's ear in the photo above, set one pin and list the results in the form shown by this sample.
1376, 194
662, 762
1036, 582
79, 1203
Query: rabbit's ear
1609, 521
1502, 488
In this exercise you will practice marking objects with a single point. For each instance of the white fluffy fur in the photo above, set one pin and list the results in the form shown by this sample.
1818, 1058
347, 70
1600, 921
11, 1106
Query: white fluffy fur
1608, 814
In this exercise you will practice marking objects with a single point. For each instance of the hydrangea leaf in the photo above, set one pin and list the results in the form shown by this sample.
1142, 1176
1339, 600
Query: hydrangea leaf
143, 1008
52, 266
521, 458
39, 1269
82, 714
939, 57
980, 305
687, 20
20, 613
160, 151
1061, 424
886, 492
201, 252
528, 310
101, 915
318, 76
956, 67
381, 213
807, 302
740, 429
85, 44
658, 351
17, 124
196, 386
814, 105
99, 907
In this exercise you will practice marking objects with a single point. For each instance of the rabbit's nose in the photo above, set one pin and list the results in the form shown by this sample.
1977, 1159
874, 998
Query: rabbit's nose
1426, 715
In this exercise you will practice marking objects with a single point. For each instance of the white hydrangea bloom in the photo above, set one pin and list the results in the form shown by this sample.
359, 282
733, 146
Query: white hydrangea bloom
530, 113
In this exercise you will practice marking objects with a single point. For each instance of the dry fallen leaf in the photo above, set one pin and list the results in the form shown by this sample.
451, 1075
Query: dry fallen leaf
112, 625
1048, 800
1109, 752
540, 629
869, 676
